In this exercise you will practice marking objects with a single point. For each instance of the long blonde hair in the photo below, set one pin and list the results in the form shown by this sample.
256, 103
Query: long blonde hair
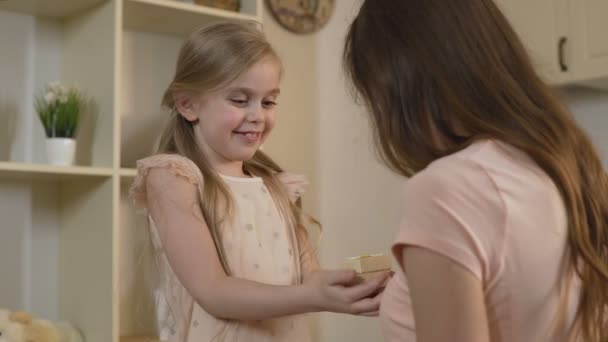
210, 59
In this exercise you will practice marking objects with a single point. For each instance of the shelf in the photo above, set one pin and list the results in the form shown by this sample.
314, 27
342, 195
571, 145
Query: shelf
72, 228
128, 173
13, 170
173, 17
45, 8
140, 338
59, 235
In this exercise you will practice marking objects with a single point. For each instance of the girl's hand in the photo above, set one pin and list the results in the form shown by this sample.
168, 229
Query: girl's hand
339, 291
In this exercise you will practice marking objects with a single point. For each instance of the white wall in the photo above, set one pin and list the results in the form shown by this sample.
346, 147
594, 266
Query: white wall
324, 134
590, 108
294, 142
359, 197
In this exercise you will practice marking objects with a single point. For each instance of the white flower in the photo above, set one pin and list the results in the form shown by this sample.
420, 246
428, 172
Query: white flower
49, 97
61, 90
54, 86
58, 90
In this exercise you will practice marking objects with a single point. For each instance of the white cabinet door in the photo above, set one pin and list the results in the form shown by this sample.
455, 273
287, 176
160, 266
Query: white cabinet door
541, 25
589, 33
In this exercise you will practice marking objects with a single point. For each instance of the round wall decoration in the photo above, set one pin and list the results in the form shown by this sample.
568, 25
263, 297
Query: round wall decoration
301, 16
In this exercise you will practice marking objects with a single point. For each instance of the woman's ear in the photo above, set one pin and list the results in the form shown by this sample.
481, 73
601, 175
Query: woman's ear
186, 105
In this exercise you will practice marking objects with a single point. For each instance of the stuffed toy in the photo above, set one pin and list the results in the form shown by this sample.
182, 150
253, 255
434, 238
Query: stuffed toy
23, 327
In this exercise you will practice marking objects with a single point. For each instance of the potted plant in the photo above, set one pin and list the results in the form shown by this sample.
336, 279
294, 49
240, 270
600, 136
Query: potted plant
59, 110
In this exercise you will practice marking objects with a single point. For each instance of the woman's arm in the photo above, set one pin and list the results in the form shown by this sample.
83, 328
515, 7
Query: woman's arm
447, 299
174, 207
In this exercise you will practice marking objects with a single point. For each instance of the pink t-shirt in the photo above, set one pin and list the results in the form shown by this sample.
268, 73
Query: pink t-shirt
491, 209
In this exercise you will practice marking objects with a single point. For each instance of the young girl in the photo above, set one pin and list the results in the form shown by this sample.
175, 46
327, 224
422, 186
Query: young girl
232, 255
504, 235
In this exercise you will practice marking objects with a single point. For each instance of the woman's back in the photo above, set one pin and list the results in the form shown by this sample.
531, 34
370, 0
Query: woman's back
491, 209
435, 76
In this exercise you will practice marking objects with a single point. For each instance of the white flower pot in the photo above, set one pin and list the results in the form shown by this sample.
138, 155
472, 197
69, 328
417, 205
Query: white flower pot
60, 151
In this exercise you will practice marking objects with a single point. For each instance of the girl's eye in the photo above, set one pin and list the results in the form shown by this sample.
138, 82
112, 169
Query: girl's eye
269, 104
239, 101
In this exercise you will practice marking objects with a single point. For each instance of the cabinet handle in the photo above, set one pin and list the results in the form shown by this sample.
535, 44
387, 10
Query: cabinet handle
562, 64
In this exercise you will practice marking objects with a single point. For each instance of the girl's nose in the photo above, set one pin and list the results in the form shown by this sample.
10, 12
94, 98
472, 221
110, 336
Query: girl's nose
256, 114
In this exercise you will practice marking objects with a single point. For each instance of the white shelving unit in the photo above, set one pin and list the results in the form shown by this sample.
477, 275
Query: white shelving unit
69, 233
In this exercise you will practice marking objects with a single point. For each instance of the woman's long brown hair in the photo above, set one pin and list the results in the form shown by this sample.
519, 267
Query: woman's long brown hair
458, 67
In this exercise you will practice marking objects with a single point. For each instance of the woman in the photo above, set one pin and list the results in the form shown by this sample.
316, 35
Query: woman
504, 235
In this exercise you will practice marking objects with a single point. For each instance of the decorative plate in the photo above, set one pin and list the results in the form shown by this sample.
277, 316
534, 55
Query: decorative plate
301, 16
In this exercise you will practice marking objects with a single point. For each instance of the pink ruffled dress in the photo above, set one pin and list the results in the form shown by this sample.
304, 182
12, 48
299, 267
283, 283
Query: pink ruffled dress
258, 246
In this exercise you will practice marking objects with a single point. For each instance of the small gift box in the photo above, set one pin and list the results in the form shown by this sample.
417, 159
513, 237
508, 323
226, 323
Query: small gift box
369, 265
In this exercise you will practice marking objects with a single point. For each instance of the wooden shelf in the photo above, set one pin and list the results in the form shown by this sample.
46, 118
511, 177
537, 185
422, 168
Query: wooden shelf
173, 17
80, 219
139, 339
45, 8
128, 173
13, 170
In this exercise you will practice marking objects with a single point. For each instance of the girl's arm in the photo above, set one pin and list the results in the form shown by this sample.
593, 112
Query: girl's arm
447, 299
174, 207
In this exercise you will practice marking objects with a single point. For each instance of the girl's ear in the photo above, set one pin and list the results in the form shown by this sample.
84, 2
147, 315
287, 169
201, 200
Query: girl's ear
186, 105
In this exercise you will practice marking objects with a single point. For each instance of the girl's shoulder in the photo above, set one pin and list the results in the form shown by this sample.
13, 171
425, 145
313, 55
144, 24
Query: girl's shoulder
172, 166
179, 164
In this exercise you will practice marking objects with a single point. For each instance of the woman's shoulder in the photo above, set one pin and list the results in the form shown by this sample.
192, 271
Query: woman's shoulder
462, 176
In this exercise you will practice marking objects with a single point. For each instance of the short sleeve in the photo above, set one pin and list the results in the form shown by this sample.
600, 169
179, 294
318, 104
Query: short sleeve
168, 188
173, 166
453, 208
